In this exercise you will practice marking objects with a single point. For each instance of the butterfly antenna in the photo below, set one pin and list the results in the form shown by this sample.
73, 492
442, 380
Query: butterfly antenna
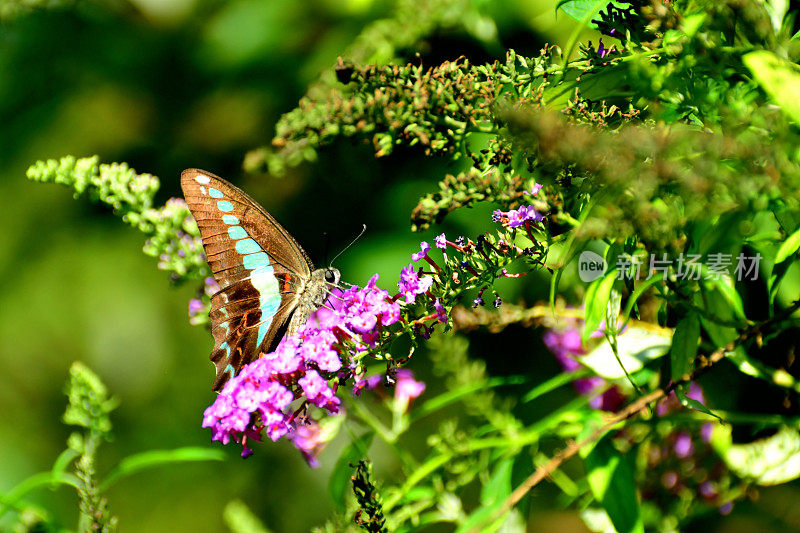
363, 229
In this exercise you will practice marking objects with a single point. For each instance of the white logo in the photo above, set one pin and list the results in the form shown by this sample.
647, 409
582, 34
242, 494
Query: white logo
591, 266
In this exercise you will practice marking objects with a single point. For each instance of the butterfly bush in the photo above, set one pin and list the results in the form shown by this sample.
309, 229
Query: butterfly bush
272, 395
306, 367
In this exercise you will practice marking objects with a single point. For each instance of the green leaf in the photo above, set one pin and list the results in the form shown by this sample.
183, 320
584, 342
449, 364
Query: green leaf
585, 10
152, 458
12, 498
769, 461
493, 495
789, 247
626, 313
636, 347
684, 345
727, 288
779, 79
596, 302
691, 403
610, 477
240, 519
755, 368
351, 454
553, 383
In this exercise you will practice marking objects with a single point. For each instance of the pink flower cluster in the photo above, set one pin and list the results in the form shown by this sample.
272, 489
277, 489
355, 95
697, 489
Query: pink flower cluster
260, 397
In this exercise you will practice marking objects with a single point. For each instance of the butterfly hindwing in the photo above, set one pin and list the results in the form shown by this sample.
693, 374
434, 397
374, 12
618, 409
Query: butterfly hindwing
258, 265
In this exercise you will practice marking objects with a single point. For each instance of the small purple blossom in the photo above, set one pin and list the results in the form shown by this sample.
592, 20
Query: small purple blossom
423, 251
519, 216
441, 241
407, 388
310, 438
411, 285
441, 313
602, 51
534, 189
210, 286
684, 447
196, 306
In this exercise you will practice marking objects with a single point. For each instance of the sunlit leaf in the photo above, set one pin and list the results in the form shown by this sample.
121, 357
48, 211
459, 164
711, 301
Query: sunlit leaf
636, 346
779, 78
610, 477
769, 461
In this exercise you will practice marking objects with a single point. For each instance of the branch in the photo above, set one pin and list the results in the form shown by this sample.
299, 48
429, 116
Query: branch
634, 409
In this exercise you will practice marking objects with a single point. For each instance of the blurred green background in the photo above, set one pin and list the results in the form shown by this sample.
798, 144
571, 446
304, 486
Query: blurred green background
165, 85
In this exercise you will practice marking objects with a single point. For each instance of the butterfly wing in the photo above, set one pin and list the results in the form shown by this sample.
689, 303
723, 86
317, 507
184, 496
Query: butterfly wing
258, 265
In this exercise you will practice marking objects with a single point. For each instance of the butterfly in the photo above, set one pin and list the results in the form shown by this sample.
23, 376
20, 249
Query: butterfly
268, 286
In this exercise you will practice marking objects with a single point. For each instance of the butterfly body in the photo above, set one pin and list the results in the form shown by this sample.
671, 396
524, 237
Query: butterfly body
268, 285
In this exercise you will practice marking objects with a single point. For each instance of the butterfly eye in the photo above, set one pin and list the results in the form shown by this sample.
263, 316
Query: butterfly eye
330, 277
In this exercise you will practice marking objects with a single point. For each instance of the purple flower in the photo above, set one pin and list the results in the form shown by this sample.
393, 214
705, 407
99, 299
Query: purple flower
519, 216
726, 508
534, 190
369, 383
317, 391
683, 445
310, 438
441, 241
411, 285
602, 51
707, 490
259, 398
407, 388
441, 313
196, 306
565, 345
211, 287
706, 430
423, 251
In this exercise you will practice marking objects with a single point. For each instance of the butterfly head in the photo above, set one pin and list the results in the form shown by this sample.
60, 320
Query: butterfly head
332, 276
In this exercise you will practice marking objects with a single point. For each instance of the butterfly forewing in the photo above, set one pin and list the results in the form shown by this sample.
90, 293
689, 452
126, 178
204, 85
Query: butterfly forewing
259, 267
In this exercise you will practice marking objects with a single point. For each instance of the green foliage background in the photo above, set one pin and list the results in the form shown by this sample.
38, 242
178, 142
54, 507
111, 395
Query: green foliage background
165, 85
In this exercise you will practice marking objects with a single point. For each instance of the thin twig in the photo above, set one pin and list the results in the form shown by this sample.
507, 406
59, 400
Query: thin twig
630, 411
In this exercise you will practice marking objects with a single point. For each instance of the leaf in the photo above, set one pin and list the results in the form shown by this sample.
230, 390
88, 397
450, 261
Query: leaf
691, 403
240, 519
13, 497
493, 495
789, 247
779, 79
727, 288
610, 477
769, 461
684, 345
585, 10
636, 347
596, 302
755, 368
152, 458
351, 454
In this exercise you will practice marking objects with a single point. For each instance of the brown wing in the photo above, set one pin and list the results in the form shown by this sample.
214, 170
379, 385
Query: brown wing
258, 265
